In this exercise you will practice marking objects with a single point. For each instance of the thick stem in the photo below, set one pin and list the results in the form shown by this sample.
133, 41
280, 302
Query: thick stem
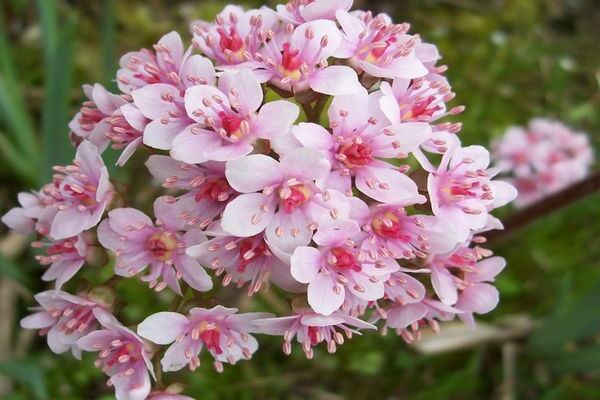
547, 206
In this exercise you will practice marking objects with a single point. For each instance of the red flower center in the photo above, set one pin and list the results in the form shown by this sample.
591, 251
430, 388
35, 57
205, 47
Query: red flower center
212, 190
345, 259
230, 41
387, 224
356, 154
297, 196
161, 245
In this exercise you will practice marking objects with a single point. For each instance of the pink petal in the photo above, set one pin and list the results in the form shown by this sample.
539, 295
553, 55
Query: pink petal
160, 136
487, 269
244, 216
444, 286
253, 173
305, 164
480, 298
151, 101
193, 274
335, 80
198, 68
405, 138
321, 296
387, 185
163, 327
334, 232
195, 98
134, 117
174, 358
402, 316
122, 220
244, 90
310, 48
275, 118
305, 264
503, 193
313, 136
38, 320
355, 106
189, 146
70, 222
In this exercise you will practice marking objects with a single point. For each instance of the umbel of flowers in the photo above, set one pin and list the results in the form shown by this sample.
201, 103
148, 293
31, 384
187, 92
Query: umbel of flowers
347, 189
542, 158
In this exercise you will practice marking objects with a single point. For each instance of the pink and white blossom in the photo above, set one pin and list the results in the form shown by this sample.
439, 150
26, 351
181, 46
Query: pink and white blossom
64, 257
123, 356
378, 47
299, 11
359, 141
462, 191
295, 60
139, 244
206, 190
243, 260
222, 331
230, 119
310, 329
279, 197
63, 318
235, 36
337, 267
83, 191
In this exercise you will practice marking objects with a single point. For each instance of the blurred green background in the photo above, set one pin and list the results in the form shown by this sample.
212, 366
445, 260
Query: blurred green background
510, 60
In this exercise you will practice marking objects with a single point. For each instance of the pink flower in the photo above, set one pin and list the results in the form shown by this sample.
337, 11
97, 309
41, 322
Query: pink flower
243, 260
107, 117
407, 319
229, 120
139, 243
36, 212
279, 197
542, 159
207, 191
295, 60
65, 258
63, 318
224, 333
378, 47
90, 123
360, 135
337, 267
298, 11
235, 36
82, 190
395, 234
145, 67
478, 296
123, 356
311, 328
164, 104
462, 192
422, 100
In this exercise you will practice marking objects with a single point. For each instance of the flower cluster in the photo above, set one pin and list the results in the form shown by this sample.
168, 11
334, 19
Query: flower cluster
542, 158
347, 189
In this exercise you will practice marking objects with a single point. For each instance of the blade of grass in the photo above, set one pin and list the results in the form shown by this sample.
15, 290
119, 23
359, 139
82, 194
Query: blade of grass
13, 109
29, 373
20, 164
9, 268
58, 45
108, 40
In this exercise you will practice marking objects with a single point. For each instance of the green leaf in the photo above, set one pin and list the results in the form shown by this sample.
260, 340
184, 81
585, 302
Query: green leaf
9, 268
58, 45
108, 40
29, 373
585, 359
580, 322
20, 164
13, 110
